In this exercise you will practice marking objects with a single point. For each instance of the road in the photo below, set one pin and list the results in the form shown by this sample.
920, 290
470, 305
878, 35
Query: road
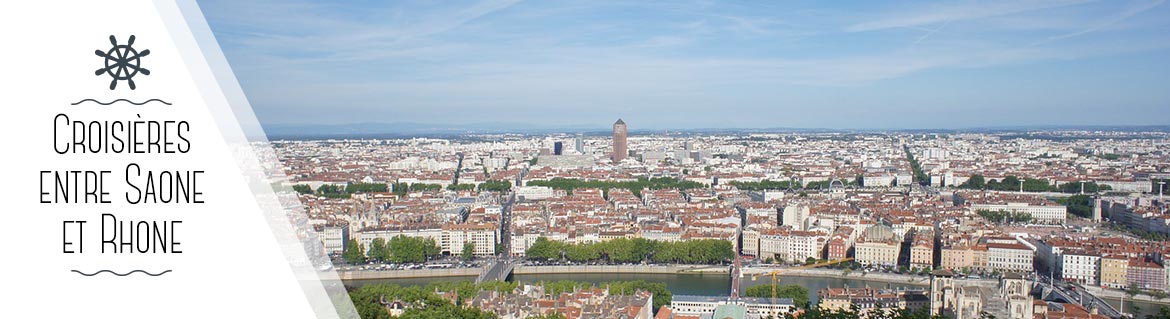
506, 219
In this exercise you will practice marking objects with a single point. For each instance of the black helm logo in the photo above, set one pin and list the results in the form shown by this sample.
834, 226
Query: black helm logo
122, 63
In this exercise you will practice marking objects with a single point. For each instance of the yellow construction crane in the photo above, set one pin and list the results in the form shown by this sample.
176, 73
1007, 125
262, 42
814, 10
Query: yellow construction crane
776, 282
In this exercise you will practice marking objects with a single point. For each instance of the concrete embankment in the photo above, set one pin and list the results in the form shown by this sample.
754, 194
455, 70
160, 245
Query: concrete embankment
414, 273
532, 270
632, 269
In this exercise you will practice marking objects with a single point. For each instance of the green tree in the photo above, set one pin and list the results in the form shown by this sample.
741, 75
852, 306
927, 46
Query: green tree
461, 187
798, 293
378, 250
545, 249
468, 251
354, 188
976, 181
354, 252
582, 253
492, 185
405, 249
302, 188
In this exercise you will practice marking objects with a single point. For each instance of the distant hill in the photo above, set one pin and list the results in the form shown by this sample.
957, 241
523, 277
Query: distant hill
413, 129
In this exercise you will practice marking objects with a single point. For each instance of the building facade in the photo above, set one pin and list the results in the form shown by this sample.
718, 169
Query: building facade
620, 150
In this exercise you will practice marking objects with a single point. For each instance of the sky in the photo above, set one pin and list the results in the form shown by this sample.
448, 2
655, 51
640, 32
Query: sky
701, 64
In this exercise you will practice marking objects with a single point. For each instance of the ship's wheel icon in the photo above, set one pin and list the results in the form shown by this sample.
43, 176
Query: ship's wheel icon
123, 62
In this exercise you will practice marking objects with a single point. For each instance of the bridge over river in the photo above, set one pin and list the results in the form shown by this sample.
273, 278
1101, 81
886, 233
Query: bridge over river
499, 270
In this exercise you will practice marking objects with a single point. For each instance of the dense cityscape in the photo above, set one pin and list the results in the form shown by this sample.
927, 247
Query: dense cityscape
1013, 224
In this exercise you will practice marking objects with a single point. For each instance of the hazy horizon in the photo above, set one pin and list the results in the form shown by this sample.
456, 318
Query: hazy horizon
696, 64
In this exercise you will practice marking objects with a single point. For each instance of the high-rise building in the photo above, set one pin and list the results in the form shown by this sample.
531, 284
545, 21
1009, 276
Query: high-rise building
558, 148
619, 141
579, 143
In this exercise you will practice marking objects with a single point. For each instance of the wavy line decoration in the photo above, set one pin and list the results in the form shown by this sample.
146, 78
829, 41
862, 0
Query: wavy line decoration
120, 274
122, 100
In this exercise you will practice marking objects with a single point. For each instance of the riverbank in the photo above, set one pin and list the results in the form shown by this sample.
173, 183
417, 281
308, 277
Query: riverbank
621, 269
646, 269
412, 273
834, 273
1116, 294
535, 270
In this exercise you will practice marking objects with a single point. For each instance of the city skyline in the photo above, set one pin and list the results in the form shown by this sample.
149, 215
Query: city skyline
670, 66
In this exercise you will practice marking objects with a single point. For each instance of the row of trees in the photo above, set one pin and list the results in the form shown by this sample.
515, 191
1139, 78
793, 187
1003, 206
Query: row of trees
1012, 183
770, 184
492, 185
798, 293
662, 295
461, 187
624, 250
1003, 216
334, 191
1079, 205
765, 185
919, 175
423, 302
569, 184
400, 249
403, 188
489, 185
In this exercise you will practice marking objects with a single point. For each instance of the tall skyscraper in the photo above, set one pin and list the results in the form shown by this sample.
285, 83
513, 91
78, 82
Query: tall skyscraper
619, 141
579, 143
558, 148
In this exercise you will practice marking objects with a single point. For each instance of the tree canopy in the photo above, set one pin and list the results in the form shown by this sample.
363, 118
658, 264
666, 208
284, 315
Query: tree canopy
625, 250
568, 184
403, 249
798, 293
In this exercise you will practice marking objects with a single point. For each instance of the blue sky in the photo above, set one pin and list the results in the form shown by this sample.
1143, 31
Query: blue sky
702, 64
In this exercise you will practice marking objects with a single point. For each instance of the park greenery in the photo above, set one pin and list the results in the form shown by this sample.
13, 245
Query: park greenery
765, 185
774, 185
403, 188
1003, 216
400, 249
461, 187
662, 295
424, 303
334, 191
492, 185
636, 186
354, 188
919, 175
798, 293
1139, 233
624, 250
302, 188
1079, 205
1012, 183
